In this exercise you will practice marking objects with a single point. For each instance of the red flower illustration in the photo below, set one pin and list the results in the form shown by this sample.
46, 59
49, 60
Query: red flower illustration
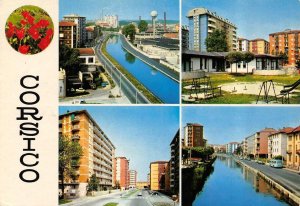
28, 17
11, 30
42, 23
20, 33
34, 33
44, 43
23, 22
49, 33
24, 49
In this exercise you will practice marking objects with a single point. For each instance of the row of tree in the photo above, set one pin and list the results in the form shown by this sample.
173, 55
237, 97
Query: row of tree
197, 152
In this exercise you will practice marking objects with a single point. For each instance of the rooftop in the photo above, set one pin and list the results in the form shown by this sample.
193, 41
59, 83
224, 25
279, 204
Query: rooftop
86, 51
67, 23
287, 31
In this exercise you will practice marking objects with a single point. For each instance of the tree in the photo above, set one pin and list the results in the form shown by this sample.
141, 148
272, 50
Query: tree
239, 150
284, 57
69, 59
248, 57
143, 26
216, 41
129, 30
93, 183
234, 57
69, 155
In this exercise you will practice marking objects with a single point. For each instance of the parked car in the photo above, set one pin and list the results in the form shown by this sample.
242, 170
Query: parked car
78, 101
80, 90
276, 163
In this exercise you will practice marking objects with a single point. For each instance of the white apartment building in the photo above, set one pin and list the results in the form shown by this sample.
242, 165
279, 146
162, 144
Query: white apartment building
231, 147
277, 143
132, 175
243, 44
112, 20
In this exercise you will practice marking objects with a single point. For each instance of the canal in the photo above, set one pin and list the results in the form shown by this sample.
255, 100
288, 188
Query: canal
233, 184
166, 89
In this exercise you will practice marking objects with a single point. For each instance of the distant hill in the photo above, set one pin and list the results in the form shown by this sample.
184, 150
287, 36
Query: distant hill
124, 22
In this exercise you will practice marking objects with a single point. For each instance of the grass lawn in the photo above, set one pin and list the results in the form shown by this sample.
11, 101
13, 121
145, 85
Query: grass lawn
64, 201
228, 98
111, 204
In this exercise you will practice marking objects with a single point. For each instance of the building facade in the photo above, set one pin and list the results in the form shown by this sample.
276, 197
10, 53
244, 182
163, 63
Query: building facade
202, 23
67, 33
248, 148
80, 21
98, 151
259, 46
243, 45
132, 178
121, 165
293, 149
184, 37
157, 175
174, 164
288, 42
193, 135
277, 143
261, 142
231, 147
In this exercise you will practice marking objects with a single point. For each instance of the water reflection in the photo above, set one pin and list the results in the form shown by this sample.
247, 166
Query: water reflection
234, 184
129, 58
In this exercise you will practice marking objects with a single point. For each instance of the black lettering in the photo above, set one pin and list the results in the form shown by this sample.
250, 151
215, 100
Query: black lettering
26, 86
30, 111
27, 164
36, 96
31, 127
21, 175
29, 149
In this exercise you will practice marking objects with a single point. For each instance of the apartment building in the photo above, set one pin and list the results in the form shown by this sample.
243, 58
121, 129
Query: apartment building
231, 147
243, 45
184, 37
98, 151
80, 21
132, 178
277, 143
67, 33
261, 142
203, 22
193, 135
157, 175
167, 185
249, 148
121, 171
288, 42
174, 164
259, 46
293, 149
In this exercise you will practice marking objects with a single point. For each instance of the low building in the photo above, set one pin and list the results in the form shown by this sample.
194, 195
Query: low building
142, 185
98, 152
293, 149
277, 143
216, 62
157, 175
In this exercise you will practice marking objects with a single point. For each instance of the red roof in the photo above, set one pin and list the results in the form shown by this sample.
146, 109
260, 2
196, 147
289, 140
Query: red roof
86, 51
66, 23
89, 28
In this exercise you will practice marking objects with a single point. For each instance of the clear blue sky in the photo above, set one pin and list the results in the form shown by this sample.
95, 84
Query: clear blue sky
142, 134
125, 9
227, 124
254, 18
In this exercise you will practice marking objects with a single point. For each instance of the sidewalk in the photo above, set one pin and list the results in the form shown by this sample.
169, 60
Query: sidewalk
295, 171
161, 199
88, 199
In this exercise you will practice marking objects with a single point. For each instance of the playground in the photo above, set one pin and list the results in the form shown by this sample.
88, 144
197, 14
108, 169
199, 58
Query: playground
221, 88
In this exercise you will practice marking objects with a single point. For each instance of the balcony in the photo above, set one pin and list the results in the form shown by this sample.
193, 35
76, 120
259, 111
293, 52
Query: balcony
289, 151
75, 137
298, 151
60, 122
211, 26
75, 128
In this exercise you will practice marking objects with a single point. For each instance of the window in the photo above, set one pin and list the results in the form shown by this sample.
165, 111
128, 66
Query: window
91, 60
244, 64
239, 65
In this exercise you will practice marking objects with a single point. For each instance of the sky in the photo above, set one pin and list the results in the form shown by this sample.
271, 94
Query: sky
232, 124
254, 18
125, 9
141, 134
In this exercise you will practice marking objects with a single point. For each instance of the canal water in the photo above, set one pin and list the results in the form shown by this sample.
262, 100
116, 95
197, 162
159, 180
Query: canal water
159, 84
233, 185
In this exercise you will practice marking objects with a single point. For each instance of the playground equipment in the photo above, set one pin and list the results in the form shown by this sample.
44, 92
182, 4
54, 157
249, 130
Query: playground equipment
287, 89
265, 90
203, 85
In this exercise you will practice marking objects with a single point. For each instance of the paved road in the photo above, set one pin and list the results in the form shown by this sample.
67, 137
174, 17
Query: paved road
132, 197
127, 87
290, 180
171, 73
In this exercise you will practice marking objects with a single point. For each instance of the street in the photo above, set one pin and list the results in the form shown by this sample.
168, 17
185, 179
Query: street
289, 180
132, 197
